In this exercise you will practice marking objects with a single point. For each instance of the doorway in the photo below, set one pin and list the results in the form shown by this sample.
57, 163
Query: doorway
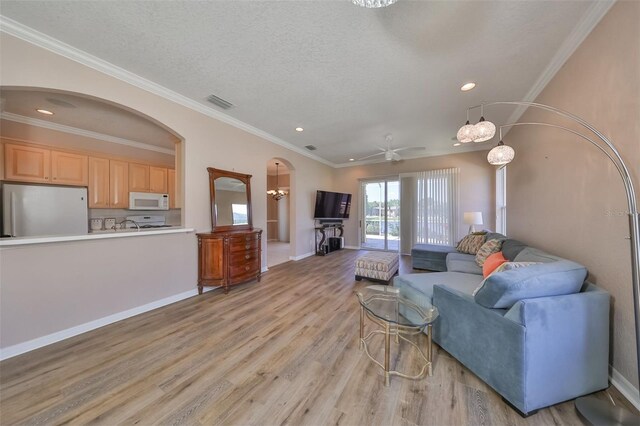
380, 215
278, 212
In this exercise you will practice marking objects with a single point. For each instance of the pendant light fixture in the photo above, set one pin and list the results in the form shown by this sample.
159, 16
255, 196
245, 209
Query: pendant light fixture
484, 130
277, 193
467, 133
372, 4
501, 154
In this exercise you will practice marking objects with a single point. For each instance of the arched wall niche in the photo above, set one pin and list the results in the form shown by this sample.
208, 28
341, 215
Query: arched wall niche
85, 122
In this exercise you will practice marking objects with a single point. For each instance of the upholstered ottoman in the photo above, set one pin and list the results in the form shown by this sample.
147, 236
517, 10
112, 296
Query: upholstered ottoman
377, 266
430, 257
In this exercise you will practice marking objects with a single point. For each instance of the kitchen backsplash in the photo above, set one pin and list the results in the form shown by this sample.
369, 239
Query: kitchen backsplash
172, 217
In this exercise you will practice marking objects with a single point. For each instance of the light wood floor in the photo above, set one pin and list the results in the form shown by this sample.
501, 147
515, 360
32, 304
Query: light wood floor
282, 351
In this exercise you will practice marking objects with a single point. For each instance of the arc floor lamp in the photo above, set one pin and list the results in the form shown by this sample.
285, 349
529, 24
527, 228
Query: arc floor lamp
593, 410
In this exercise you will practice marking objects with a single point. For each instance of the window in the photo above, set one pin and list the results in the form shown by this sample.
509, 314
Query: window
434, 207
240, 216
501, 200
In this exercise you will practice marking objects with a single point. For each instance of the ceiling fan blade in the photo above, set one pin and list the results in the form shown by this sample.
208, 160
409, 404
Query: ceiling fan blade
369, 156
410, 148
382, 149
396, 157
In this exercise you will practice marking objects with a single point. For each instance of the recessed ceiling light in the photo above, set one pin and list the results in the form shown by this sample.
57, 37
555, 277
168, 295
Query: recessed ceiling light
44, 111
457, 144
299, 129
467, 86
352, 159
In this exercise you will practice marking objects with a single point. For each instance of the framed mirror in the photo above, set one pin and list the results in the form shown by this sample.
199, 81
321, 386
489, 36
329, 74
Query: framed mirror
230, 200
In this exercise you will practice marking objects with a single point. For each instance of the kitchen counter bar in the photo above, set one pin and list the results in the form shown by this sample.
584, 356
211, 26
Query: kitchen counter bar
10, 242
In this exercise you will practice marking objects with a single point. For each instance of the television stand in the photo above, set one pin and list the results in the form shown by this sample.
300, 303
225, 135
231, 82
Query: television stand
328, 235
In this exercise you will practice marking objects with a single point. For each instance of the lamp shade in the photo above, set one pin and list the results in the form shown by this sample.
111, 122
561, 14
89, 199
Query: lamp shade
372, 4
473, 218
467, 133
501, 154
484, 130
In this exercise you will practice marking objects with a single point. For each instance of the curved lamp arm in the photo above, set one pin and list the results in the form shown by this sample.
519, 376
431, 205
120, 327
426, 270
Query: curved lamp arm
613, 155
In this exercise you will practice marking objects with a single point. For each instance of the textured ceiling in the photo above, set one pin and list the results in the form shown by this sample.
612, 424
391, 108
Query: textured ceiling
347, 75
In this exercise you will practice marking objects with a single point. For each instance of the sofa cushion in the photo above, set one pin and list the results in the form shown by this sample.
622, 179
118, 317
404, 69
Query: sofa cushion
471, 243
494, 236
461, 262
530, 254
419, 287
504, 289
511, 248
487, 249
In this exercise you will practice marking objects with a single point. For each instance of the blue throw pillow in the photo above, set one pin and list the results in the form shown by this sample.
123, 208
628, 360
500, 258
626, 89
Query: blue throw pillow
504, 289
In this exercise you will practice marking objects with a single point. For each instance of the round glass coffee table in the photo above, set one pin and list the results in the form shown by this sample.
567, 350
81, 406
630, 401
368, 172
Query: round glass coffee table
399, 317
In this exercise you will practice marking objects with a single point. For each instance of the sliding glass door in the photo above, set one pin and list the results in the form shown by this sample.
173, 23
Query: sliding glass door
380, 221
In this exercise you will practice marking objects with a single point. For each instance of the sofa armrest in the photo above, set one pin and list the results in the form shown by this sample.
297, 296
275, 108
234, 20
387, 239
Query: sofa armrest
567, 343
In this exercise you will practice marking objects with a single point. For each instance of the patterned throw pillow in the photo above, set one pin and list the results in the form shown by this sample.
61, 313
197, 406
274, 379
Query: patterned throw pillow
470, 244
487, 249
507, 266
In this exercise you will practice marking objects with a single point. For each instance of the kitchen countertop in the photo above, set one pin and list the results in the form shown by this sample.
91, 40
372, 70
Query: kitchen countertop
120, 233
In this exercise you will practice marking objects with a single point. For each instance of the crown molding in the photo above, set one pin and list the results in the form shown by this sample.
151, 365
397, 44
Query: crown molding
30, 35
587, 23
81, 132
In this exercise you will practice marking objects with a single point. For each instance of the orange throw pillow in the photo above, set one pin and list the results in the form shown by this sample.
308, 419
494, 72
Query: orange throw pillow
492, 262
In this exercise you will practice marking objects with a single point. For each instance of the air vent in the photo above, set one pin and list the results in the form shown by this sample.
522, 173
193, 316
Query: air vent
219, 102
311, 147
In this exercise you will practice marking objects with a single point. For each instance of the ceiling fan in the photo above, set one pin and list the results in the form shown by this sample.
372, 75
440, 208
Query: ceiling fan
391, 154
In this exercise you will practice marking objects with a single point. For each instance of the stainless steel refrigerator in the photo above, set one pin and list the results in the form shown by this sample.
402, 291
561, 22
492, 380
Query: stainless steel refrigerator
41, 210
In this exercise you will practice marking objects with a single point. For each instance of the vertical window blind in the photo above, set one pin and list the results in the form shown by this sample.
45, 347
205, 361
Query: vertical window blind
434, 206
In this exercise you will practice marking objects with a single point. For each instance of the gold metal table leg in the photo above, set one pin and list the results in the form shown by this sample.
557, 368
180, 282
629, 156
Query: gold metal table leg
387, 344
430, 350
361, 326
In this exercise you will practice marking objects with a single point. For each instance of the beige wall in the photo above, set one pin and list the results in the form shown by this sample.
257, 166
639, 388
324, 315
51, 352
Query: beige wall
208, 143
565, 196
477, 182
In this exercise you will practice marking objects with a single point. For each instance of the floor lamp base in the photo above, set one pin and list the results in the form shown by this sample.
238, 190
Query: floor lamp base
597, 412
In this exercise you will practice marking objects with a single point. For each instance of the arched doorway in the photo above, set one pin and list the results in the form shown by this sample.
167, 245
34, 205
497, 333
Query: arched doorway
278, 211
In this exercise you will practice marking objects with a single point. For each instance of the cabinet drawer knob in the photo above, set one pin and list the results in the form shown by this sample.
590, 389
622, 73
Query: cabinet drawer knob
246, 268
247, 246
247, 256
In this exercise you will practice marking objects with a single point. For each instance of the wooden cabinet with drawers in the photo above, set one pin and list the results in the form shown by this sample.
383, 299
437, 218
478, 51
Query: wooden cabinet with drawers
227, 258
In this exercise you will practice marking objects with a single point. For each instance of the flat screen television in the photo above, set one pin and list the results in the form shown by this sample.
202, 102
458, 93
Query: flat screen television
332, 205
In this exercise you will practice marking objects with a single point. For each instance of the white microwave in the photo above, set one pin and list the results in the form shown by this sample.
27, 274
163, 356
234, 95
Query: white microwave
148, 201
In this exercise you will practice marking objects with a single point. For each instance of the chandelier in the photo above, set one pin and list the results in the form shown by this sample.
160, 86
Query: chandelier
372, 4
277, 193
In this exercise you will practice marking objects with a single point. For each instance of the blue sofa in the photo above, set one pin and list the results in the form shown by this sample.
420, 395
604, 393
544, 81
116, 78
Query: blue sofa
538, 335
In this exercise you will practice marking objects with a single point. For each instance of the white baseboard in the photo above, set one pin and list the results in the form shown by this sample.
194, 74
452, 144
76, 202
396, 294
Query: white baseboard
302, 256
625, 387
352, 247
264, 269
20, 348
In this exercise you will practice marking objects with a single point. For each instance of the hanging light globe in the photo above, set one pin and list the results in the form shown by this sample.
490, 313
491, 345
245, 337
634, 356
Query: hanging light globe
485, 130
501, 155
467, 133
372, 4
